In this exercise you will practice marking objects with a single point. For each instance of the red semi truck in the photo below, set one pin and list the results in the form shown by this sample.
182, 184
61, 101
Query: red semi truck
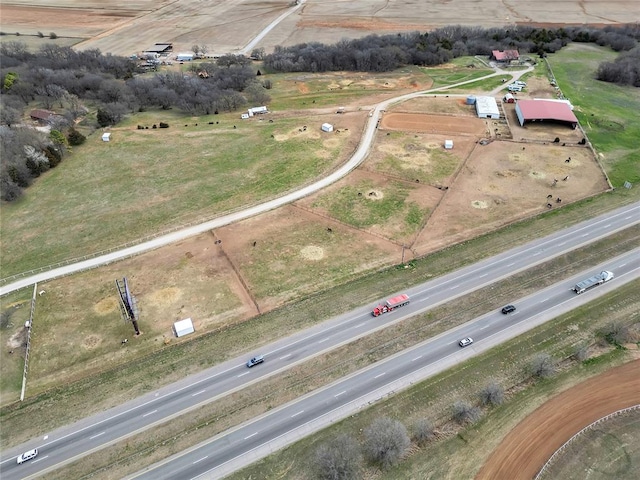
391, 304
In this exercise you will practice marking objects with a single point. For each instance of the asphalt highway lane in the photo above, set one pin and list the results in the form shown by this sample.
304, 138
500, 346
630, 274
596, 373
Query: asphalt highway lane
98, 431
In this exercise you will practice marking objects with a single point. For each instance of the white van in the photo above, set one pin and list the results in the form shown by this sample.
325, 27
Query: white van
31, 454
514, 88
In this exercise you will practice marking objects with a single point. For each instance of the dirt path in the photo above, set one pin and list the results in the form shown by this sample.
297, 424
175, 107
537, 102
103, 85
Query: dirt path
527, 447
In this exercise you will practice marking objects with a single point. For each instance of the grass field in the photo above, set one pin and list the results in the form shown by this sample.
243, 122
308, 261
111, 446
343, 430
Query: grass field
606, 111
147, 181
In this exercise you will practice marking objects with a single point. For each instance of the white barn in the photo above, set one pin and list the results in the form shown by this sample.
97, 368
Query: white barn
487, 107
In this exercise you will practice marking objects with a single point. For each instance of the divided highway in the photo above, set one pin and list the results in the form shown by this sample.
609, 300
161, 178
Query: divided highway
69, 443
257, 439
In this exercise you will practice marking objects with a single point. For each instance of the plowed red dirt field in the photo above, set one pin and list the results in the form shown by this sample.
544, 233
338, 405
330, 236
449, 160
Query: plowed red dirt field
527, 447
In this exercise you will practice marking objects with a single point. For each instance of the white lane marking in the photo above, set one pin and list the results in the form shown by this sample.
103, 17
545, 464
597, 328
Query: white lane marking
149, 413
359, 325
535, 254
252, 435
324, 340
511, 264
378, 376
203, 458
96, 436
585, 235
41, 458
486, 326
417, 358
483, 275
607, 226
198, 393
454, 287
621, 265
561, 244
296, 414
45, 437
285, 356
243, 374
423, 299
341, 393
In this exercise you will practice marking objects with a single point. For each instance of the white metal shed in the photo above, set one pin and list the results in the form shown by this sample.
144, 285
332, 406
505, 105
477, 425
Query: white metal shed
487, 107
327, 127
106, 137
183, 327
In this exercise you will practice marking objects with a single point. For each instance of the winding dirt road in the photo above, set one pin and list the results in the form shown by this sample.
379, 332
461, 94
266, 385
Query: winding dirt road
527, 447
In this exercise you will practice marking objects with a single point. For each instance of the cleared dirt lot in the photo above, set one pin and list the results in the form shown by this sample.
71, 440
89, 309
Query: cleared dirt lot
526, 448
126, 27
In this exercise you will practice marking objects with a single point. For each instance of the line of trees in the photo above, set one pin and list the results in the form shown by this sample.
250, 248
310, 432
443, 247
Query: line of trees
376, 53
624, 70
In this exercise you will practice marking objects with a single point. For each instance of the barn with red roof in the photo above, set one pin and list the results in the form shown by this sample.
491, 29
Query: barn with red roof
545, 111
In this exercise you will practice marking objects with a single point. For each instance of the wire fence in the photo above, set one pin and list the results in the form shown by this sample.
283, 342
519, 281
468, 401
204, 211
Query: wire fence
545, 468
26, 352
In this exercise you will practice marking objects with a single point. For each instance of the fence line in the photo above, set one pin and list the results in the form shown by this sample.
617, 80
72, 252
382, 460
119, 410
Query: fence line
564, 446
26, 352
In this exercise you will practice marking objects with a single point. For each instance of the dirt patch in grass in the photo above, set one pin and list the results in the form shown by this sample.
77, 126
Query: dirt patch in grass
415, 122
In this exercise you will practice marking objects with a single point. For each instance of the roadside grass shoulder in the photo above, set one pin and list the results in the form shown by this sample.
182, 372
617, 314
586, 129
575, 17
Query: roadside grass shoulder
171, 363
459, 452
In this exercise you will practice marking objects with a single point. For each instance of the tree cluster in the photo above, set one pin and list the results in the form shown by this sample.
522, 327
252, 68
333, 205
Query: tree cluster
61, 79
376, 53
625, 70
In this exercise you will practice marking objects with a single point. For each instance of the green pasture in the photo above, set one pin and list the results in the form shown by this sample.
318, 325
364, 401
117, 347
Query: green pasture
448, 76
607, 112
144, 182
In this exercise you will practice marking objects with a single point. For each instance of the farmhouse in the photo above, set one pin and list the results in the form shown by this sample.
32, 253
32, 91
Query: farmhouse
487, 107
545, 111
43, 116
505, 56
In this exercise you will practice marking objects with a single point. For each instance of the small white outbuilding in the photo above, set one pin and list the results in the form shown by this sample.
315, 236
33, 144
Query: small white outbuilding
106, 137
327, 127
448, 144
183, 327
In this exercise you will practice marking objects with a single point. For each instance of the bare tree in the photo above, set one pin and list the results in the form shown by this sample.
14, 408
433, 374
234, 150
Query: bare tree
464, 412
617, 333
581, 353
492, 394
339, 459
542, 366
386, 440
423, 431
257, 94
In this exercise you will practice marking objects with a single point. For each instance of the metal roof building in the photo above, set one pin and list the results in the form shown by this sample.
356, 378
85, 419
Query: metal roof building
487, 107
545, 110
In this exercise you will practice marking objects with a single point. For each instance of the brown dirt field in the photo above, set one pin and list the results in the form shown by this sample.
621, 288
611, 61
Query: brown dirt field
527, 447
123, 28
416, 122
504, 181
